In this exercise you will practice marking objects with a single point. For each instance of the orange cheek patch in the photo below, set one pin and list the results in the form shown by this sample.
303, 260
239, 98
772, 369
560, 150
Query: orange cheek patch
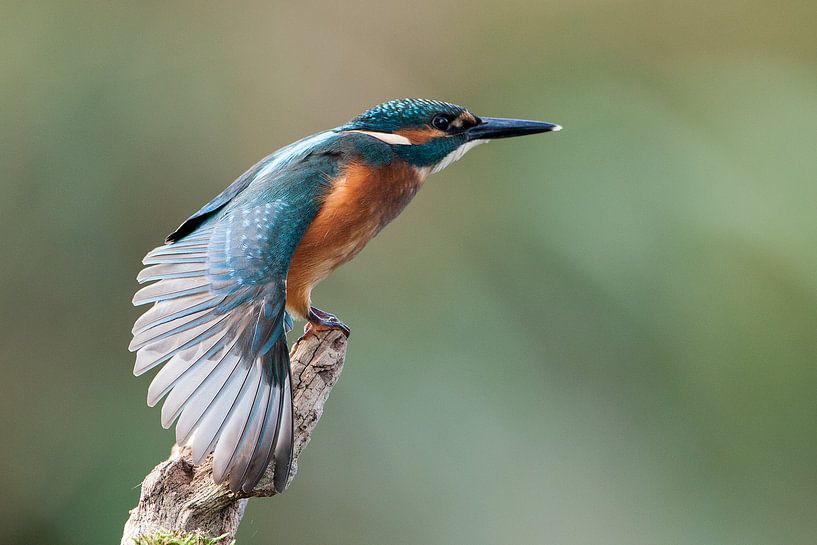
419, 136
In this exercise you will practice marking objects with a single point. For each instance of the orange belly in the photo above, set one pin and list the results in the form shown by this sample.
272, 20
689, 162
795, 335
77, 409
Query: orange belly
361, 202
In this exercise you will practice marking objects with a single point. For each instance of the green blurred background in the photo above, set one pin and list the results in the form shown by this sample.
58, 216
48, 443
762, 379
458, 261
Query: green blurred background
602, 336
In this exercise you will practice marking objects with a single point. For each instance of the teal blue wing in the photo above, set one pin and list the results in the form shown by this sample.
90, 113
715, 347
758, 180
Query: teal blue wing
218, 324
276, 162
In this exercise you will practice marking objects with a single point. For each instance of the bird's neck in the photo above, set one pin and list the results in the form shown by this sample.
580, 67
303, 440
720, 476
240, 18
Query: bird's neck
381, 192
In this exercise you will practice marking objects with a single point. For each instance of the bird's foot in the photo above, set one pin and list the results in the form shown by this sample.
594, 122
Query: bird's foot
320, 320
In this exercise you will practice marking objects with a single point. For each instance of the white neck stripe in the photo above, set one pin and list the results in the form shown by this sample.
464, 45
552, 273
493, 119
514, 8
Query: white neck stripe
388, 137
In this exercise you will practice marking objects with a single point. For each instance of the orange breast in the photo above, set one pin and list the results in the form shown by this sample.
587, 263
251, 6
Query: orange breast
362, 201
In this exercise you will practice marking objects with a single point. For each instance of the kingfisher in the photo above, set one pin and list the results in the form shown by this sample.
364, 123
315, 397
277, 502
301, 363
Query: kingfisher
228, 281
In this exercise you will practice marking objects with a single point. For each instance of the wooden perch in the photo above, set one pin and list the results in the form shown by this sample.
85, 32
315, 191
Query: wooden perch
180, 497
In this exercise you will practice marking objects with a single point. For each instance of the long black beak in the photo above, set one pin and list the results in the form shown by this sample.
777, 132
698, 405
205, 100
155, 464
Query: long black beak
498, 127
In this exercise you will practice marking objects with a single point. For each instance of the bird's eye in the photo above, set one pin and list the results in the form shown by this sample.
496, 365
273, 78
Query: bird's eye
441, 122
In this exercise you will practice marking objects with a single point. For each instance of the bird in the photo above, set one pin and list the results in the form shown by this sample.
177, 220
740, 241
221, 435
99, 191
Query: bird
228, 282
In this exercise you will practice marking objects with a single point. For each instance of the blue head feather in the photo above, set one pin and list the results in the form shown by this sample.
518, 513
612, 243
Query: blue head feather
404, 113
412, 113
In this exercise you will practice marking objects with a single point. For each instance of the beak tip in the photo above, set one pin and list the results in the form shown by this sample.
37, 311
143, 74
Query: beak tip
556, 128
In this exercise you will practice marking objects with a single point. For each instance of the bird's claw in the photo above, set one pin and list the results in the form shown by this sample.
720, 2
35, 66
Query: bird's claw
319, 320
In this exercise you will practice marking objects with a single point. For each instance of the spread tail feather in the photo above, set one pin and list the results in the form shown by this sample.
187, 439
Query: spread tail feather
232, 396
225, 376
218, 330
257, 428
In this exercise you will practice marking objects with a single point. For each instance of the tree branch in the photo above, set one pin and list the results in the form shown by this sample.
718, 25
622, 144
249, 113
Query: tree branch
179, 496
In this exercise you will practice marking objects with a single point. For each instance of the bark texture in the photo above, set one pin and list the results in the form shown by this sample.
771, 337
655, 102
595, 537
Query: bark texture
179, 496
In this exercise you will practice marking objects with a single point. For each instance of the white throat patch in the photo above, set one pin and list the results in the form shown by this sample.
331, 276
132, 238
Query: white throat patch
457, 154
388, 137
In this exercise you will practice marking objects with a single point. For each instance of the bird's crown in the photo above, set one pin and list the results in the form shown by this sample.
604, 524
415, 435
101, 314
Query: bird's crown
405, 113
